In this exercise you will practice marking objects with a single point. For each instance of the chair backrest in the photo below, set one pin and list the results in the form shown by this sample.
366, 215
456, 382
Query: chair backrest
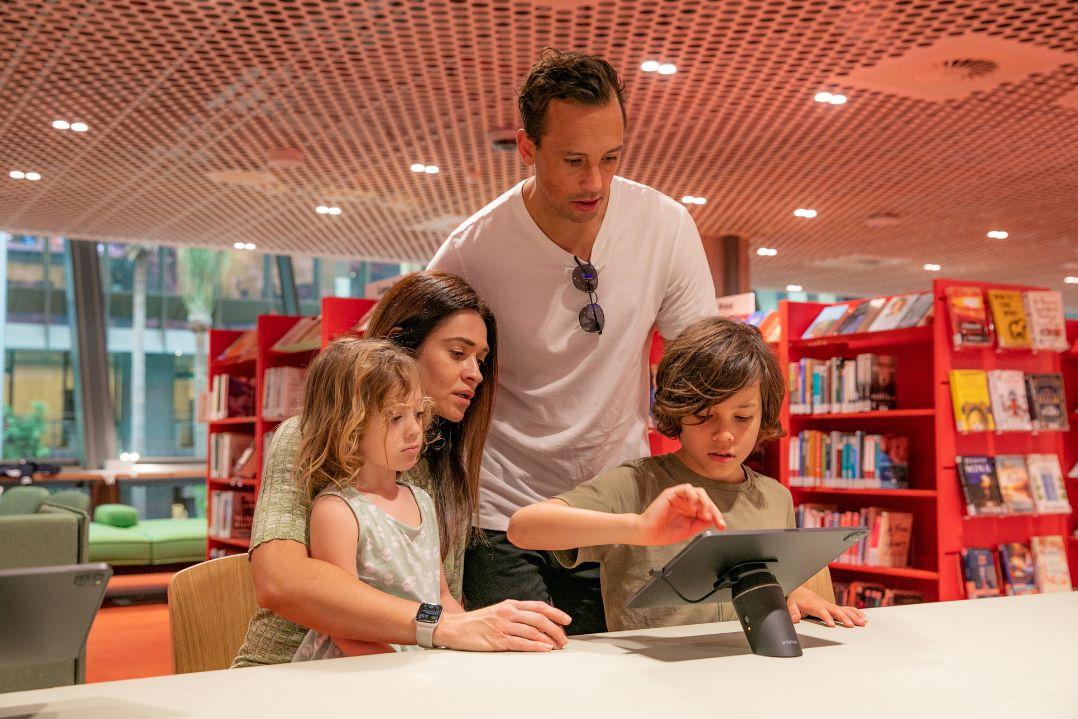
210, 606
22, 499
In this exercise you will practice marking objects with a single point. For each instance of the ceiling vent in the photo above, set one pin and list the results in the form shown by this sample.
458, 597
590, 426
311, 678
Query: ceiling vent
503, 140
243, 178
955, 67
882, 219
859, 263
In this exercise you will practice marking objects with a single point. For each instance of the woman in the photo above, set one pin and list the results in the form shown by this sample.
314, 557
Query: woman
452, 333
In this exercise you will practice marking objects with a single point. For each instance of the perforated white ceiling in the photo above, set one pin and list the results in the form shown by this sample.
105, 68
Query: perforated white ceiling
186, 100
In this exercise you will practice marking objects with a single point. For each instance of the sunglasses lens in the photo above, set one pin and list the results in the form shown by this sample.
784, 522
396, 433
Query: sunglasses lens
585, 278
592, 318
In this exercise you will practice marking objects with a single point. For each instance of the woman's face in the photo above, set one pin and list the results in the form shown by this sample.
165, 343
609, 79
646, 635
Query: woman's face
451, 363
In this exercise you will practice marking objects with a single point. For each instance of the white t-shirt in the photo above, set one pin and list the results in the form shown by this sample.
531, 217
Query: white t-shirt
570, 404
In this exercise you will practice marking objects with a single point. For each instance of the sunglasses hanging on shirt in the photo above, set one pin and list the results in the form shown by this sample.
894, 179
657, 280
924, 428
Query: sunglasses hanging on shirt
586, 279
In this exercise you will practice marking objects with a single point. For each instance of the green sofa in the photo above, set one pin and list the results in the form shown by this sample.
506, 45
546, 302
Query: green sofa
117, 536
38, 530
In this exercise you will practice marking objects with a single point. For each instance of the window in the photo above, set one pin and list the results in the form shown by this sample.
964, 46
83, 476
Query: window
40, 397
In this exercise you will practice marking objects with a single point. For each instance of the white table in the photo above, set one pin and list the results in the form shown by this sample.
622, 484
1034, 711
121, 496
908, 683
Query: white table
1012, 657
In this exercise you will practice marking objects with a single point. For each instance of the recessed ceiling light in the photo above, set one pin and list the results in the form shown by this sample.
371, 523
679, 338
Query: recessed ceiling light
699, 201
431, 169
667, 68
830, 98
793, 288
997, 234
650, 66
1071, 280
79, 126
61, 124
249, 245
418, 167
334, 210
767, 252
17, 175
932, 267
322, 210
804, 212
688, 200
237, 245
33, 176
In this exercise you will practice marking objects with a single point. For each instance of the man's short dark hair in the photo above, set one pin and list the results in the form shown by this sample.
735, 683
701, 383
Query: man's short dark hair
566, 75
711, 361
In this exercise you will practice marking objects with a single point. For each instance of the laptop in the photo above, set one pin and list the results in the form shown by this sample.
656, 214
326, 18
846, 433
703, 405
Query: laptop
46, 612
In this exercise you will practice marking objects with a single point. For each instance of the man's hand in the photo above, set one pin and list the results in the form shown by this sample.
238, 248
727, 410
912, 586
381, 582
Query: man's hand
677, 514
804, 602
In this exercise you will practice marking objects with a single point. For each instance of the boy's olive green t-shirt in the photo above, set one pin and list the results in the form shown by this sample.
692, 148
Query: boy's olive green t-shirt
759, 502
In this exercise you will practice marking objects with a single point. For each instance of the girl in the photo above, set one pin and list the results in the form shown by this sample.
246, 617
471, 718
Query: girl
363, 424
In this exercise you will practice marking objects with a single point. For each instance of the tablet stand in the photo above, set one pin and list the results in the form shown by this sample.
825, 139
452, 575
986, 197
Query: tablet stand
760, 605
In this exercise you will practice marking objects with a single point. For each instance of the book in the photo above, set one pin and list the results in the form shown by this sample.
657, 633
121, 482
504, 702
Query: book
1016, 566
1047, 401
1046, 484
980, 573
1009, 318
1047, 328
969, 318
896, 529
242, 349
1009, 406
1050, 561
1014, 483
305, 335
900, 597
825, 322
917, 312
860, 317
971, 401
979, 486
891, 314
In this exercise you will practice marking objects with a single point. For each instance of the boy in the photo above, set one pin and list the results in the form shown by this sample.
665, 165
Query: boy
719, 390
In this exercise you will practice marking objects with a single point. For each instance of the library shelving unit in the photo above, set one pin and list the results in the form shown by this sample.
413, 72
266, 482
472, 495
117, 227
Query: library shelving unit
339, 315
923, 413
1070, 449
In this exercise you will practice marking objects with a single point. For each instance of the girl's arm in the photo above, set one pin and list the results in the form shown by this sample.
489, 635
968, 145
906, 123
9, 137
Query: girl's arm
676, 515
334, 538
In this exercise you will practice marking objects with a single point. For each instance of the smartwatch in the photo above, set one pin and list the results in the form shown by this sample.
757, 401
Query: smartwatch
426, 621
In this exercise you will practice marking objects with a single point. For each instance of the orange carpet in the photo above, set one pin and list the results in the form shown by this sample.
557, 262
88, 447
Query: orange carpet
128, 642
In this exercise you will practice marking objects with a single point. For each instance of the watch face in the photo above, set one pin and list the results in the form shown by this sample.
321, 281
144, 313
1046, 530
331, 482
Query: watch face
429, 613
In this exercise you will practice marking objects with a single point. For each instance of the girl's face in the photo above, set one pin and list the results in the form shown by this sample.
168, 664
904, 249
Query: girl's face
715, 443
393, 439
451, 363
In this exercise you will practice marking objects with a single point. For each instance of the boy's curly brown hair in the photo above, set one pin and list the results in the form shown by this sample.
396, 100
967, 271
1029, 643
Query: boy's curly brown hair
709, 362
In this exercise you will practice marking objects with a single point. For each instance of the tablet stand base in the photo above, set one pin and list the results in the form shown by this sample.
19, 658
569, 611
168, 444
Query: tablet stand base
761, 606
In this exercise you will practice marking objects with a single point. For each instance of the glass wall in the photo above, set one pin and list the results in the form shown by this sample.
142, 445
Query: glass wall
39, 397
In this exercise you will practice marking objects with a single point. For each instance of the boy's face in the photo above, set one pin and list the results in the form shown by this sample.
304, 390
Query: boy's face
714, 444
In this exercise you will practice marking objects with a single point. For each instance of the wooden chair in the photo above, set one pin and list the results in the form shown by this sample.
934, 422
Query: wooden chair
209, 608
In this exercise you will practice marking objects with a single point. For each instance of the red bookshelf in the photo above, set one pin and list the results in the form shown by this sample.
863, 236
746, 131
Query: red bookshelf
1069, 362
923, 413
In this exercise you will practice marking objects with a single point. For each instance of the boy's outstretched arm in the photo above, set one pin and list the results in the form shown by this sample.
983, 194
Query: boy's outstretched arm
677, 514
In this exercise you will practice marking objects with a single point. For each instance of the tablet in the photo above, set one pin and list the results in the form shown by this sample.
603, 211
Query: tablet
702, 571
46, 612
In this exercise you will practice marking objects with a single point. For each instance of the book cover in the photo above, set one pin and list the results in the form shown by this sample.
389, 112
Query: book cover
900, 597
969, 318
892, 462
1009, 317
1047, 401
895, 533
891, 314
1014, 483
243, 348
979, 486
1050, 560
1016, 566
979, 571
826, 321
971, 401
771, 327
860, 317
1046, 483
882, 393
916, 311
1044, 310
1009, 406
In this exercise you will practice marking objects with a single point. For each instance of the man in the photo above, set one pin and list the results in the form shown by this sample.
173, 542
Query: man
578, 266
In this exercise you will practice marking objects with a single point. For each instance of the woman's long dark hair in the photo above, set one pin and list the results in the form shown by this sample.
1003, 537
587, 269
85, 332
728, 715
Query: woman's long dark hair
406, 315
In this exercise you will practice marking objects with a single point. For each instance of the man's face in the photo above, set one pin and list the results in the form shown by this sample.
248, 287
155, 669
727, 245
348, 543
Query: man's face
576, 159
